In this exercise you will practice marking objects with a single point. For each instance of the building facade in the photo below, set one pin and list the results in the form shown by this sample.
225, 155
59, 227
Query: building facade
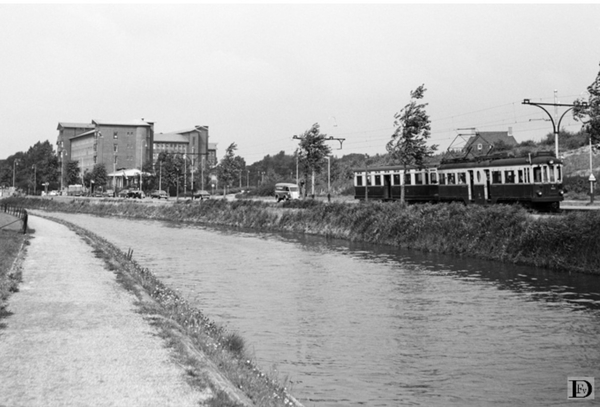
129, 145
483, 142
191, 143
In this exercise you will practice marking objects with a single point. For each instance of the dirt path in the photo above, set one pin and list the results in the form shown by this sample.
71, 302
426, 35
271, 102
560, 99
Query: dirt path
74, 337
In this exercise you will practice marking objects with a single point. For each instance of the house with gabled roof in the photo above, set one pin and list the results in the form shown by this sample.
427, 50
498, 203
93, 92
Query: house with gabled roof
484, 142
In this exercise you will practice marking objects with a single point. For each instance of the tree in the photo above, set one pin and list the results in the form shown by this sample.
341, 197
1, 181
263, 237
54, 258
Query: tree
589, 114
230, 166
312, 151
72, 176
170, 169
408, 145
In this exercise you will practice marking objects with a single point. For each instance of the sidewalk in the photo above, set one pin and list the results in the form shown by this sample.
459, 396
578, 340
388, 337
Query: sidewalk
74, 338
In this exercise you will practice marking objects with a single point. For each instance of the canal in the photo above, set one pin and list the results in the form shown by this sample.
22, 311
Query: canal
347, 324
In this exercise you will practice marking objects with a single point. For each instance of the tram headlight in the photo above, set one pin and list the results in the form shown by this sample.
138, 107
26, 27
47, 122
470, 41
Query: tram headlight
539, 193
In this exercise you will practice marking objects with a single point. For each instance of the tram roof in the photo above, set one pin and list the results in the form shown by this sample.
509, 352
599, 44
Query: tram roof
392, 167
538, 158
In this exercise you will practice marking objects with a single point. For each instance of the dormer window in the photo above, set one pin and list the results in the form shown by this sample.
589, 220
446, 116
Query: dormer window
479, 146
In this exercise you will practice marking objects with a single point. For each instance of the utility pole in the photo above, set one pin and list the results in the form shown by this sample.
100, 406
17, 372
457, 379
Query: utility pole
555, 127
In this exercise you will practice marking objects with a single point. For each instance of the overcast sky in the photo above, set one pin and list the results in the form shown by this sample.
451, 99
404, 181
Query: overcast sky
258, 74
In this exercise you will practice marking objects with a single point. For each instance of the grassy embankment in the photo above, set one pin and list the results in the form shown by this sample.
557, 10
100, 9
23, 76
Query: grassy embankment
12, 242
569, 242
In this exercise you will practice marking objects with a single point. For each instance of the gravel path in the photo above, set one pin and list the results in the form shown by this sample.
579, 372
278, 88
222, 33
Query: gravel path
74, 337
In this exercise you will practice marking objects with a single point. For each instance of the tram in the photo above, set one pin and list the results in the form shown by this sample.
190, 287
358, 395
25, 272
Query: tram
535, 181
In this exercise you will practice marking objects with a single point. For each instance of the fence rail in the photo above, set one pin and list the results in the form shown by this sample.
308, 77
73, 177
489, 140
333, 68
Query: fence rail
20, 213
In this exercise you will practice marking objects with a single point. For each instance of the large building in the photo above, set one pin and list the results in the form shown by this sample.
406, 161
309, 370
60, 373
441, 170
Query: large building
128, 145
193, 143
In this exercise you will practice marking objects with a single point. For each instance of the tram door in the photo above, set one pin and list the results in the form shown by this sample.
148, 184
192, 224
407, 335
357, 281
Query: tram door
478, 187
387, 186
488, 192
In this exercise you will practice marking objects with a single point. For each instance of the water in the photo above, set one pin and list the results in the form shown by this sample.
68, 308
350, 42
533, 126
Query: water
353, 324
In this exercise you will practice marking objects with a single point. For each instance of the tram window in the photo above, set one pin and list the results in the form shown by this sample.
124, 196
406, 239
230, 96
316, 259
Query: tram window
407, 179
462, 178
451, 179
419, 178
434, 178
544, 173
496, 177
537, 174
396, 179
551, 173
359, 180
509, 177
478, 176
377, 179
520, 176
558, 173
442, 179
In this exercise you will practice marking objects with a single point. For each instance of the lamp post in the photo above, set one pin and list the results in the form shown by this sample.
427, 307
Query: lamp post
555, 127
34, 179
15, 162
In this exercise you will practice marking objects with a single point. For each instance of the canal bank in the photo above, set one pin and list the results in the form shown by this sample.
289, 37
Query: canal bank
73, 335
567, 242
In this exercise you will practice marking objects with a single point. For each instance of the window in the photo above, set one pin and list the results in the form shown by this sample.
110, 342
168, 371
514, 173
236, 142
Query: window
407, 180
496, 177
558, 173
433, 178
396, 179
462, 178
451, 179
115, 134
377, 179
537, 174
359, 180
419, 178
509, 177
369, 182
551, 173
115, 159
116, 148
479, 146
442, 179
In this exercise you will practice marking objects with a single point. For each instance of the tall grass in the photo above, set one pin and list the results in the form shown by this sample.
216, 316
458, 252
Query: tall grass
11, 243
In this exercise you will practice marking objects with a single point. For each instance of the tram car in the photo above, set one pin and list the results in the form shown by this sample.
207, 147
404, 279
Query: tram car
534, 181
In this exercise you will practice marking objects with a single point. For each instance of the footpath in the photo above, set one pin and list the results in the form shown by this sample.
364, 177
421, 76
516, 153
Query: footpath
73, 337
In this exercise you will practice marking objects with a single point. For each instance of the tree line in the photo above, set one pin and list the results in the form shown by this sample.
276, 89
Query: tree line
311, 164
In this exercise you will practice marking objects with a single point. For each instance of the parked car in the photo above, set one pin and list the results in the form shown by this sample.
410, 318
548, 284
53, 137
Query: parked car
201, 194
286, 191
108, 193
53, 193
124, 193
136, 193
159, 194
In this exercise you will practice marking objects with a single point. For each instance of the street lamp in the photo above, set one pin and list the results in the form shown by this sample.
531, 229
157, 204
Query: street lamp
555, 127
34, 180
15, 162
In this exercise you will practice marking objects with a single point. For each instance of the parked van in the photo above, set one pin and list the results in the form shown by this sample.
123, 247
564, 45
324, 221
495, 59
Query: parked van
286, 191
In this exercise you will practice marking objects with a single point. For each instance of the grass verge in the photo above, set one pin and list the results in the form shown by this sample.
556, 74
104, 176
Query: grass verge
12, 252
215, 361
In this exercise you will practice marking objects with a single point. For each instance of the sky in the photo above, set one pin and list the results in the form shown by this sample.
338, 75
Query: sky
258, 74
